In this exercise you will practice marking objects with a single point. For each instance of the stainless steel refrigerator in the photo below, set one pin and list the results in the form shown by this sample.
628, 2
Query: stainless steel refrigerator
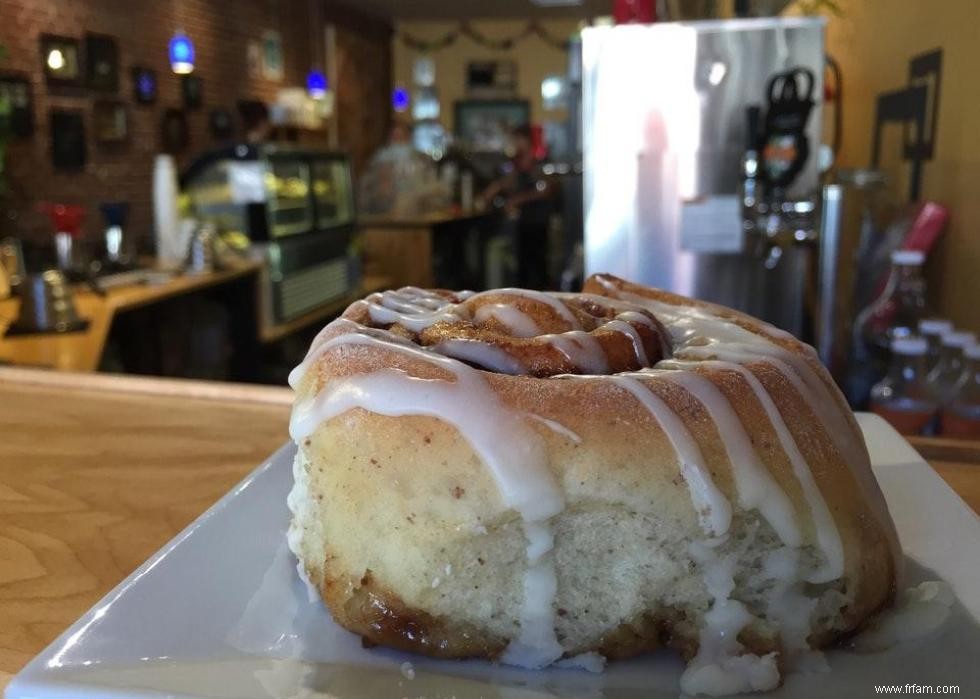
665, 134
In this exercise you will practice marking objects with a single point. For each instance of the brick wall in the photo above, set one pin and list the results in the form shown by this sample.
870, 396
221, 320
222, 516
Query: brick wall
220, 30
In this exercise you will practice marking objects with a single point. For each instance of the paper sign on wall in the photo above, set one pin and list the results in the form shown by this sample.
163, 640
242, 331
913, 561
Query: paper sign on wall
712, 224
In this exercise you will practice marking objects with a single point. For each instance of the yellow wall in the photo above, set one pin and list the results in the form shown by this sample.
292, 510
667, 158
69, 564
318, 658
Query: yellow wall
535, 59
873, 42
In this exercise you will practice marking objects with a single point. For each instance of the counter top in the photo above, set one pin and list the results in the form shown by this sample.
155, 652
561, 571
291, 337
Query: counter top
81, 351
98, 471
427, 220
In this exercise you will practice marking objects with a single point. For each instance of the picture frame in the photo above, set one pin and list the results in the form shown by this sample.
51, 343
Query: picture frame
67, 129
192, 89
144, 85
101, 62
110, 122
486, 124
272, 62
221, 124
61, 60
253, 59
491, 79
174, 132
15, 90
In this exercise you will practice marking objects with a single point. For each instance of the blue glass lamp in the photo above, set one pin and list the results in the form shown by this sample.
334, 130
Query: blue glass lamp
181, 54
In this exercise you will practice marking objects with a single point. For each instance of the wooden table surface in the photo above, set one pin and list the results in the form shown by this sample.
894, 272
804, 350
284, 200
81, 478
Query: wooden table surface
97, 472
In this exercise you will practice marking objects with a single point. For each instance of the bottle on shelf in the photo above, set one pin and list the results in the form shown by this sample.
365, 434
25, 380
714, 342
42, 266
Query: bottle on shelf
961, 416
894, 313
903, 397
897, 310
948, 369
933, 329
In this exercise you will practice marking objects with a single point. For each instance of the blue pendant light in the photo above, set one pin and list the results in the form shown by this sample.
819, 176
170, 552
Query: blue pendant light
400, 99
316, 84
181, 54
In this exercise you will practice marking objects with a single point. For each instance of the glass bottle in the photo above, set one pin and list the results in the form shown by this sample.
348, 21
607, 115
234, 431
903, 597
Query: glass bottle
895, 312
947, 371
961, 416
903, 397
933, 329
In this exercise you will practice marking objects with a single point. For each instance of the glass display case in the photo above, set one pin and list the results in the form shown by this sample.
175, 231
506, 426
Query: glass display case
296, 206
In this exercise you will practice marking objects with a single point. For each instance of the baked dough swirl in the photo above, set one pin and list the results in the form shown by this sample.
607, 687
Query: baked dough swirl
533, 477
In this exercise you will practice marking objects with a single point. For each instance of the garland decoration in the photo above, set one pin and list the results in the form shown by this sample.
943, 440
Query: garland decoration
466, 29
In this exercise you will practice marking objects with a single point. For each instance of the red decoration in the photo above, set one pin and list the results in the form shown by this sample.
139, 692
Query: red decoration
634, 11
66, 218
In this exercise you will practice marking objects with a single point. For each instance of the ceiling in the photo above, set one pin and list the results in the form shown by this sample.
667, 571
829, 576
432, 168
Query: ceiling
474, 9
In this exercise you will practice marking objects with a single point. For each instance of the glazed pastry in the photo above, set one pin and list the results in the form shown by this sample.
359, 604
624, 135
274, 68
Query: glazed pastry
530, 477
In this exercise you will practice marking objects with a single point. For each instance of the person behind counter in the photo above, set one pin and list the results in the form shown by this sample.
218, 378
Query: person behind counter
255, 120
527, 197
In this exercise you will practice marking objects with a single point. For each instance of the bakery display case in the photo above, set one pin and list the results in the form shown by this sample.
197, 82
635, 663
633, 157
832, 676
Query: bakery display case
296, 207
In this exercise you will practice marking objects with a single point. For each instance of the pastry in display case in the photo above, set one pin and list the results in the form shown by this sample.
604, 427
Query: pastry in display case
296, 207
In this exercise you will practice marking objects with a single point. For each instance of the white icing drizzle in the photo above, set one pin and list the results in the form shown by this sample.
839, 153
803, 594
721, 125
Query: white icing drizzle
719, 668
511, 450
556, 426
635, 317
828, 537
581, 349
811, 388
547, 299
697, 332
414, 321
756, 488
919, 611
713, 509
590, 662
519, 324
621, 326
483, 354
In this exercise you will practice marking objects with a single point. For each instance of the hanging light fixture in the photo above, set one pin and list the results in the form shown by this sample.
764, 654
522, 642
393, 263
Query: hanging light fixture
181, 54
400, 99
316, 84
316, 80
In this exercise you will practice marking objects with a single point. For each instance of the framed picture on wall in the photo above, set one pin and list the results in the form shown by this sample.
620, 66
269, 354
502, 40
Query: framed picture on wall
272, 66
15, 92
102, 62
67, 139
221, 125
491, 79
61, 59
253, 59
192, 89
144, 84
486, 124
110, 121
174, 133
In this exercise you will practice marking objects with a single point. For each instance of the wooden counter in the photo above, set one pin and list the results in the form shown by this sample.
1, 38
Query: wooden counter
97, 472
403, 248
81, 351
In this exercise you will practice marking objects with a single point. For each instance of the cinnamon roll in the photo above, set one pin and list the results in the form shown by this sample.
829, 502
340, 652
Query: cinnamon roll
533, 477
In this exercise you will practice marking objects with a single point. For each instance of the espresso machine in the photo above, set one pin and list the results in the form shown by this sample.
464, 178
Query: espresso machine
702, 160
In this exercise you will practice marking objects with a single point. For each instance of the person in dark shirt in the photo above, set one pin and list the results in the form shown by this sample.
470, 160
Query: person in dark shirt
527, 197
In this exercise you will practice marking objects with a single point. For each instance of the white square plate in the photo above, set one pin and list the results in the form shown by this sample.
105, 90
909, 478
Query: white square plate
220, 612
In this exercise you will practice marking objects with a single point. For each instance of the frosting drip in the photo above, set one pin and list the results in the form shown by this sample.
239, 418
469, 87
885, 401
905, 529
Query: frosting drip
511, 450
